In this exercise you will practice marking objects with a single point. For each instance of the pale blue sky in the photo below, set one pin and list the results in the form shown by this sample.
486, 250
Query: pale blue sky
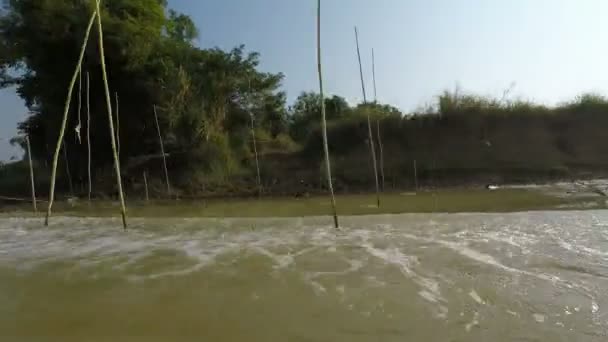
552, 49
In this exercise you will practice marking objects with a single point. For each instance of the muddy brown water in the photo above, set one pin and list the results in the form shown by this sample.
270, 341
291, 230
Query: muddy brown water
540, 276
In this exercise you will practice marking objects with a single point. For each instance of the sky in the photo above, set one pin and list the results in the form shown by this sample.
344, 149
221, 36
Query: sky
552, 50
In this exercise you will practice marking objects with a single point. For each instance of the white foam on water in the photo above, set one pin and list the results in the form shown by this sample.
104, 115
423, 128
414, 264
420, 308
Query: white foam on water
280, 261
487, 259
428, 296
312, 277
473, 323
341, 289
512, 313
463, 249
539, 318
430, 290
594, 307
294, 246
476, 297
374, 282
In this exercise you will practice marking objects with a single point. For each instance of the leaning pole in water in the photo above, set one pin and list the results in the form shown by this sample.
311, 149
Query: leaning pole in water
32, 182
369, 123
90, 186
380, 145
162, 151
323, 119
117, 126
65, 115
123, 209
255, 148
257, 159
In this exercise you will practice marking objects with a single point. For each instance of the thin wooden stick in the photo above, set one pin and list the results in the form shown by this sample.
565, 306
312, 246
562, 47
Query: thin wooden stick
79, 127
162, 150
369, 123
32, 182
381, 150
257, 160
65, 116
374, 76
380, 145
416, 175
255, 148
146, 186
89, 137
323, 119
109, 105
67, 168
117, 126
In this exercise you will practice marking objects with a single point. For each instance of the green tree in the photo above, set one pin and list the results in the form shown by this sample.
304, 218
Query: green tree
202, 95
305, 113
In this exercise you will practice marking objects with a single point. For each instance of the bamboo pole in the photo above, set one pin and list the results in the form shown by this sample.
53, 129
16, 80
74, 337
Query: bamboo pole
416, 175
79, 127
380, 145
65, 117
32, 182
109, 105
67, 168
257, 160
146, 186
255, 148
374, 76
89, 137
323, 119
162, 150
117, 126
369, 123
60, 139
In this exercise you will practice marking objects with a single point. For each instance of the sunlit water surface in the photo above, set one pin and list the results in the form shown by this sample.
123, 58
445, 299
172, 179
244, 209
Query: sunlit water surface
539, 276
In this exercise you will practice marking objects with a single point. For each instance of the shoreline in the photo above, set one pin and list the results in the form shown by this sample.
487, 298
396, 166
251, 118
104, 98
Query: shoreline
555, 197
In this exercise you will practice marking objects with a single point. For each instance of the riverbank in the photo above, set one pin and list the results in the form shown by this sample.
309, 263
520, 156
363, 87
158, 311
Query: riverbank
446, 201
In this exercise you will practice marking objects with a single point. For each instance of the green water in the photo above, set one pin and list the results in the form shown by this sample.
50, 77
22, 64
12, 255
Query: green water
445, 200
538, 276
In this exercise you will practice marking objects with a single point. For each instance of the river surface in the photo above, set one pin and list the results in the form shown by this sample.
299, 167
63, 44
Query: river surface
540, 276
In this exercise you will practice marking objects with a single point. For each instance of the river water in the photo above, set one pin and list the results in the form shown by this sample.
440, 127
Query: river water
540, 276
